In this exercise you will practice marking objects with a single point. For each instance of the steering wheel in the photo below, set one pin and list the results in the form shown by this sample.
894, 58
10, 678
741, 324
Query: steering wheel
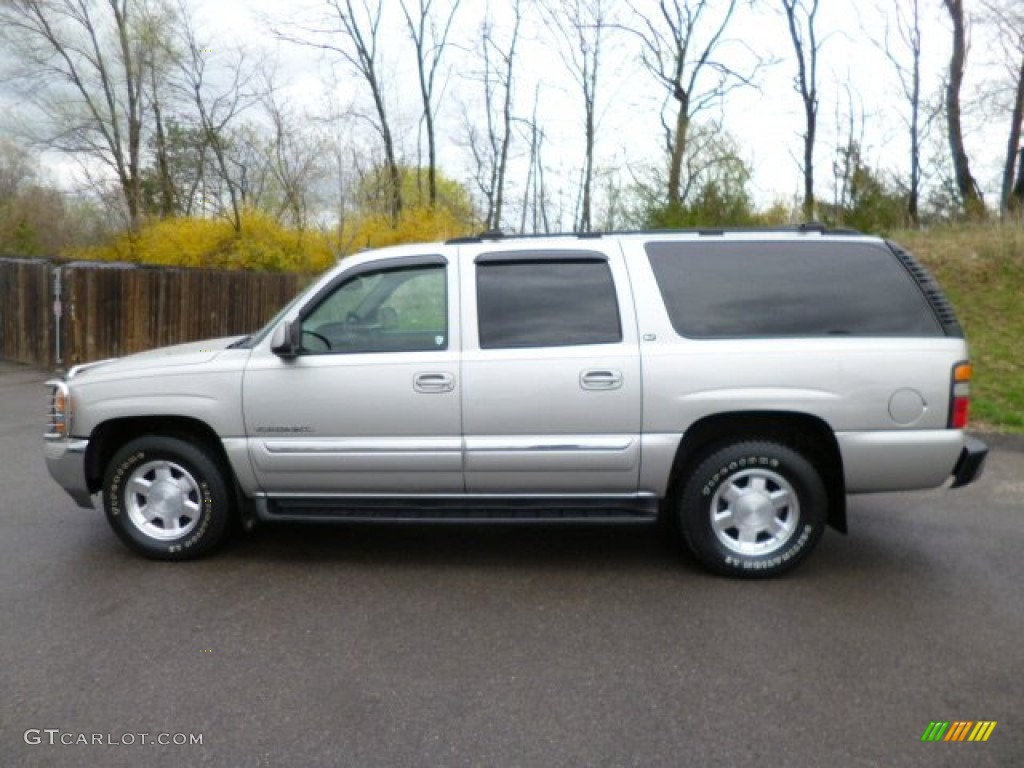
317, 336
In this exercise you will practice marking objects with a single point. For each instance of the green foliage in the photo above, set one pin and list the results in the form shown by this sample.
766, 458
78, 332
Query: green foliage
40, 221
373, 195
184, 148
715, 204
981, 269
715, 194
372, 226
865, 200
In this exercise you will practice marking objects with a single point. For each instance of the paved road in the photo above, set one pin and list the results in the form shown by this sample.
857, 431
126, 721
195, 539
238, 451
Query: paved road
476, 647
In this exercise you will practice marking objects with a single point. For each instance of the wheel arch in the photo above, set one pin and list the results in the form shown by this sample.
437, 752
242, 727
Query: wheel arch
107, 438
807, 434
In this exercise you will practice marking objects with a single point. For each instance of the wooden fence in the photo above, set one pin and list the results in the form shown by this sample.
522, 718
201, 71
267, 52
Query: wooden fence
108, 310
26, 312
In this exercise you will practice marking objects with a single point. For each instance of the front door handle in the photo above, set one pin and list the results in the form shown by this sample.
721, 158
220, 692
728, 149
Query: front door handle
601, 379
432, 383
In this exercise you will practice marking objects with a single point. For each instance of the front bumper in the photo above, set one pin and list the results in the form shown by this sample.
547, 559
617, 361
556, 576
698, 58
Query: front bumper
65, 460
971, 463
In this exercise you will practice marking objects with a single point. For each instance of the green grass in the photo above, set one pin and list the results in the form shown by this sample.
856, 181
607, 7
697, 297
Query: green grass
981, 269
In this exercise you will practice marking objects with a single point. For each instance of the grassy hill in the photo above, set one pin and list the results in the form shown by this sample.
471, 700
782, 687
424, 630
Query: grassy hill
982, 272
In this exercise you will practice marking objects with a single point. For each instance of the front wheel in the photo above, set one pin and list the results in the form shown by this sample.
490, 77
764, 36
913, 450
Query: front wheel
167, 499
753, 509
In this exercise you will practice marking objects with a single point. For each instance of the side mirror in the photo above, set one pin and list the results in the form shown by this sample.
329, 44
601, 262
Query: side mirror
285, 341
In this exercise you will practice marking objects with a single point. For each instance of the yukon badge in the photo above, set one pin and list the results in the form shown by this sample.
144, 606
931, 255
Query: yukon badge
281, 430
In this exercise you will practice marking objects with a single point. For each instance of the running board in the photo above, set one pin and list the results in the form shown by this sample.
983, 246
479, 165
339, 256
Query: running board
459, 510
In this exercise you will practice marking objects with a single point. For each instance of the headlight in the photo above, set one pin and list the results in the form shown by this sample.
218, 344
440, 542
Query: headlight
58, 424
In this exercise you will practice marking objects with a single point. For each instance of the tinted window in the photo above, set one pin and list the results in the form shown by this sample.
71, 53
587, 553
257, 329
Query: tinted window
395, 310
546, 303
788, 289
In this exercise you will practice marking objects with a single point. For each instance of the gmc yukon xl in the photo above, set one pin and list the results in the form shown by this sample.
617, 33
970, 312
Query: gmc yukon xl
735, 384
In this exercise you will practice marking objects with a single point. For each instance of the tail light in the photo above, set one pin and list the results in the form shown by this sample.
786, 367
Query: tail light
960, 396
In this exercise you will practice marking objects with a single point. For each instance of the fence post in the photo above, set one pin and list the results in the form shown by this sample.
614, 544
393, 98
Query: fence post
58, 311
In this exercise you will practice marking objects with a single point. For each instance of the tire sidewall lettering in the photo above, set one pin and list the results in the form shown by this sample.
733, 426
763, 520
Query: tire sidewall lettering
715, 473
759, 564
214, 507
205, 510
796, 544
115, 491
734, 466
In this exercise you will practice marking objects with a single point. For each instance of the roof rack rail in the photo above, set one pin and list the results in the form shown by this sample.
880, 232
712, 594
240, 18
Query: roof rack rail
816, 227
824, 229
812, 226
487, 234
497, 234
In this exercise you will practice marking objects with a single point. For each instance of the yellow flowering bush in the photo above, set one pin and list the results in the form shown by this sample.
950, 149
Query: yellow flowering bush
419, 224
262, 244
265, 245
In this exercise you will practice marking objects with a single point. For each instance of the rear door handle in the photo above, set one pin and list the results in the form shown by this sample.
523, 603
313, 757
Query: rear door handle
601, 379
432, 383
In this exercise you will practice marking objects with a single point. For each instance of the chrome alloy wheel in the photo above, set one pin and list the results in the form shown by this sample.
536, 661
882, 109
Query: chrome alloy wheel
163, 500
755, 512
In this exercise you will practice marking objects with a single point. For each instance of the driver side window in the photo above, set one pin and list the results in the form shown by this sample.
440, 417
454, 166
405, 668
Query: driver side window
391, 310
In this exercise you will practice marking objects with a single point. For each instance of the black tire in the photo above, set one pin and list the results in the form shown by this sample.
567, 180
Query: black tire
166, 498
752, 509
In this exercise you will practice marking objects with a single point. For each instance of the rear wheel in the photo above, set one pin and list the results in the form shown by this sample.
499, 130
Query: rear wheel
166, 498
752, 509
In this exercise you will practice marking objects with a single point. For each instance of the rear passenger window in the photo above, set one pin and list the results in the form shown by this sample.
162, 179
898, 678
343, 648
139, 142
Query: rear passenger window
553, 302
723, 290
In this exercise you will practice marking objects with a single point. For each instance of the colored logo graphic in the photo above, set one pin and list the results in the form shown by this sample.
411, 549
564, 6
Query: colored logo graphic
958, 730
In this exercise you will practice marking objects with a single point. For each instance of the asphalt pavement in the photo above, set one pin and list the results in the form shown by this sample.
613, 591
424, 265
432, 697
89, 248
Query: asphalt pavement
468, 646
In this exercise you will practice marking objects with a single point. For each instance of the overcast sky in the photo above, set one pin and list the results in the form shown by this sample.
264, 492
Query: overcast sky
766, 121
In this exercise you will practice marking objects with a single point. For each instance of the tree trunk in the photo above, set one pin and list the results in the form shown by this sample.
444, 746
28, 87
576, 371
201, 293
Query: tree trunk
1013, 149
168, 203
588, 172
675, 162
913, 201
811, 116
967, 187
394, 172
806, 50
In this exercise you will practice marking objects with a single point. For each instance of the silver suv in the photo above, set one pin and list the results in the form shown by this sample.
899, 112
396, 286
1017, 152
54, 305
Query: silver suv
738, 384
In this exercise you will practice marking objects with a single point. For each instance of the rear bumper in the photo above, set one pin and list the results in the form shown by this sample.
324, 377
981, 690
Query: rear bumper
971, 464
909, 460
65, 460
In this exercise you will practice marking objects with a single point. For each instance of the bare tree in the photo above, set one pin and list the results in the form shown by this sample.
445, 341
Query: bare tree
680, 46
217, 103
17, 170
166, 190
580, 26
801, 17
1006, 17
902, 46
162, 56
353, 32
490, 148
88, 68
430, 38
294, 161
535, 195
849, 140
967, 187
